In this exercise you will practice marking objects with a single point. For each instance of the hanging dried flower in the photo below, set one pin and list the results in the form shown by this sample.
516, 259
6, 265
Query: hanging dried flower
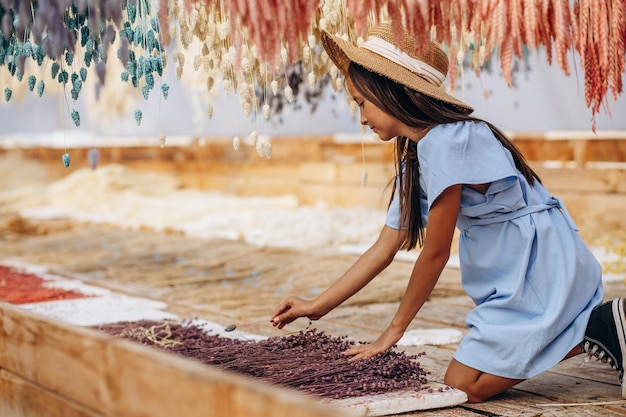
7, 94
162, 140
267, 148
66, 160
260, 149
266, 111
76, 117
254, 138
363, 177
138, 116
288, 94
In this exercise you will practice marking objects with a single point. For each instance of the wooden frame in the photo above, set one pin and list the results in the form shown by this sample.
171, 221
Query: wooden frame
50, 368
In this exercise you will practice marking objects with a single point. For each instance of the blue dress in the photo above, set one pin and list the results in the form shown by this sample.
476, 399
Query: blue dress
532, 278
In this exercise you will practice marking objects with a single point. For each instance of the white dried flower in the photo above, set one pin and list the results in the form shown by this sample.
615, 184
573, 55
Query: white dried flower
246, 66
333, 18
162, 140
339, 84
353, 106
244, 92
363, 177
312, 41
266, 111
283, 55
274, 85
226, 85
254, 137
288, 94
306, 55
460, 56
482, 52
267, 147
333, 71
322, 24
197, 60
247, 107
236, 143
311, 78
209, 110
222, 30
260, 149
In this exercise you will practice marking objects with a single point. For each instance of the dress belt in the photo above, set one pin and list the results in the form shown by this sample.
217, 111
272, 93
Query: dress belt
467, 222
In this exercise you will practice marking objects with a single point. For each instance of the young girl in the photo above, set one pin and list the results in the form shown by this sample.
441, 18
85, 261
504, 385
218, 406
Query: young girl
536, 286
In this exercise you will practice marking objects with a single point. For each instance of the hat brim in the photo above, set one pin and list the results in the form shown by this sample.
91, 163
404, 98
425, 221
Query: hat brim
342, 52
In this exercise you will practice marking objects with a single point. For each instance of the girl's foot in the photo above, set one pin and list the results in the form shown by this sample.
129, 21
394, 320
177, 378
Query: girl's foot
605, 337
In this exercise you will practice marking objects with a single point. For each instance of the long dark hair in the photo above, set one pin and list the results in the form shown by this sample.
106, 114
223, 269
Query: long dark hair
419, 111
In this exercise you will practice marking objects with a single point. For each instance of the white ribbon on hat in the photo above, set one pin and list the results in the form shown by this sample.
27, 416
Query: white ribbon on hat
393, 53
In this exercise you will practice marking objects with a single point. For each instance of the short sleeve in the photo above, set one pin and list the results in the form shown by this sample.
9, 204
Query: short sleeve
461, 153
393, 212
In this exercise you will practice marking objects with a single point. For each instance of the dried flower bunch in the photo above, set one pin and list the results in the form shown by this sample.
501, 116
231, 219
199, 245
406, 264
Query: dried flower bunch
309, 361
263, 35
66, 38
251, 47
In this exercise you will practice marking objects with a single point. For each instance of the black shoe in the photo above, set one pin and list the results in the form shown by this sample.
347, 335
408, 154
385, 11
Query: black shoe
605, 337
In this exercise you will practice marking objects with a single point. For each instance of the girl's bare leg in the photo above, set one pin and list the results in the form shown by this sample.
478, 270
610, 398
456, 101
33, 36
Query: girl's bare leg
480, 386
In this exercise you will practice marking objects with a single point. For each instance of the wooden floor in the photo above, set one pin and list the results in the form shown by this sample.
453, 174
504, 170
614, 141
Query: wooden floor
232, 282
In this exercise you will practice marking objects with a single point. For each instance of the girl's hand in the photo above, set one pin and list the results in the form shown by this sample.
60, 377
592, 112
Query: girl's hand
384, 342
291, 309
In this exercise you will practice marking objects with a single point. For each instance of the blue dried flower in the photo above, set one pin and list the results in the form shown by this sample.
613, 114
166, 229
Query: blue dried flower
138, 39
32, 80
28, 49
66, 160
145, 90
150, 40
154, 22
76, 117
138, 116
69, 57
40, 87
83, 74
63, 77
55, 69
132, 11
124, 76
150, 80
7, 94
165, 89
84, 35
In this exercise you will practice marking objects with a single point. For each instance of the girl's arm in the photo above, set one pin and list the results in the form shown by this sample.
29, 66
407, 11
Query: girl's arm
368, 266
428, 267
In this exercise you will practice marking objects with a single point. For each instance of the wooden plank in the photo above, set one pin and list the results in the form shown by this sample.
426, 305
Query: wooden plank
119, 378
21, 398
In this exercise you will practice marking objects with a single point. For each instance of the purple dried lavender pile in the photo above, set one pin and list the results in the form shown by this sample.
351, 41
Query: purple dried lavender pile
309, 361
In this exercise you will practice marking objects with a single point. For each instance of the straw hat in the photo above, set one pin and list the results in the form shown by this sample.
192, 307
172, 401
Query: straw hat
423, 71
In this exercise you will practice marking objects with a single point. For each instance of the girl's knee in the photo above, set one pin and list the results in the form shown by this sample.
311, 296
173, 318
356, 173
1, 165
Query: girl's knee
477, 385
470, 388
